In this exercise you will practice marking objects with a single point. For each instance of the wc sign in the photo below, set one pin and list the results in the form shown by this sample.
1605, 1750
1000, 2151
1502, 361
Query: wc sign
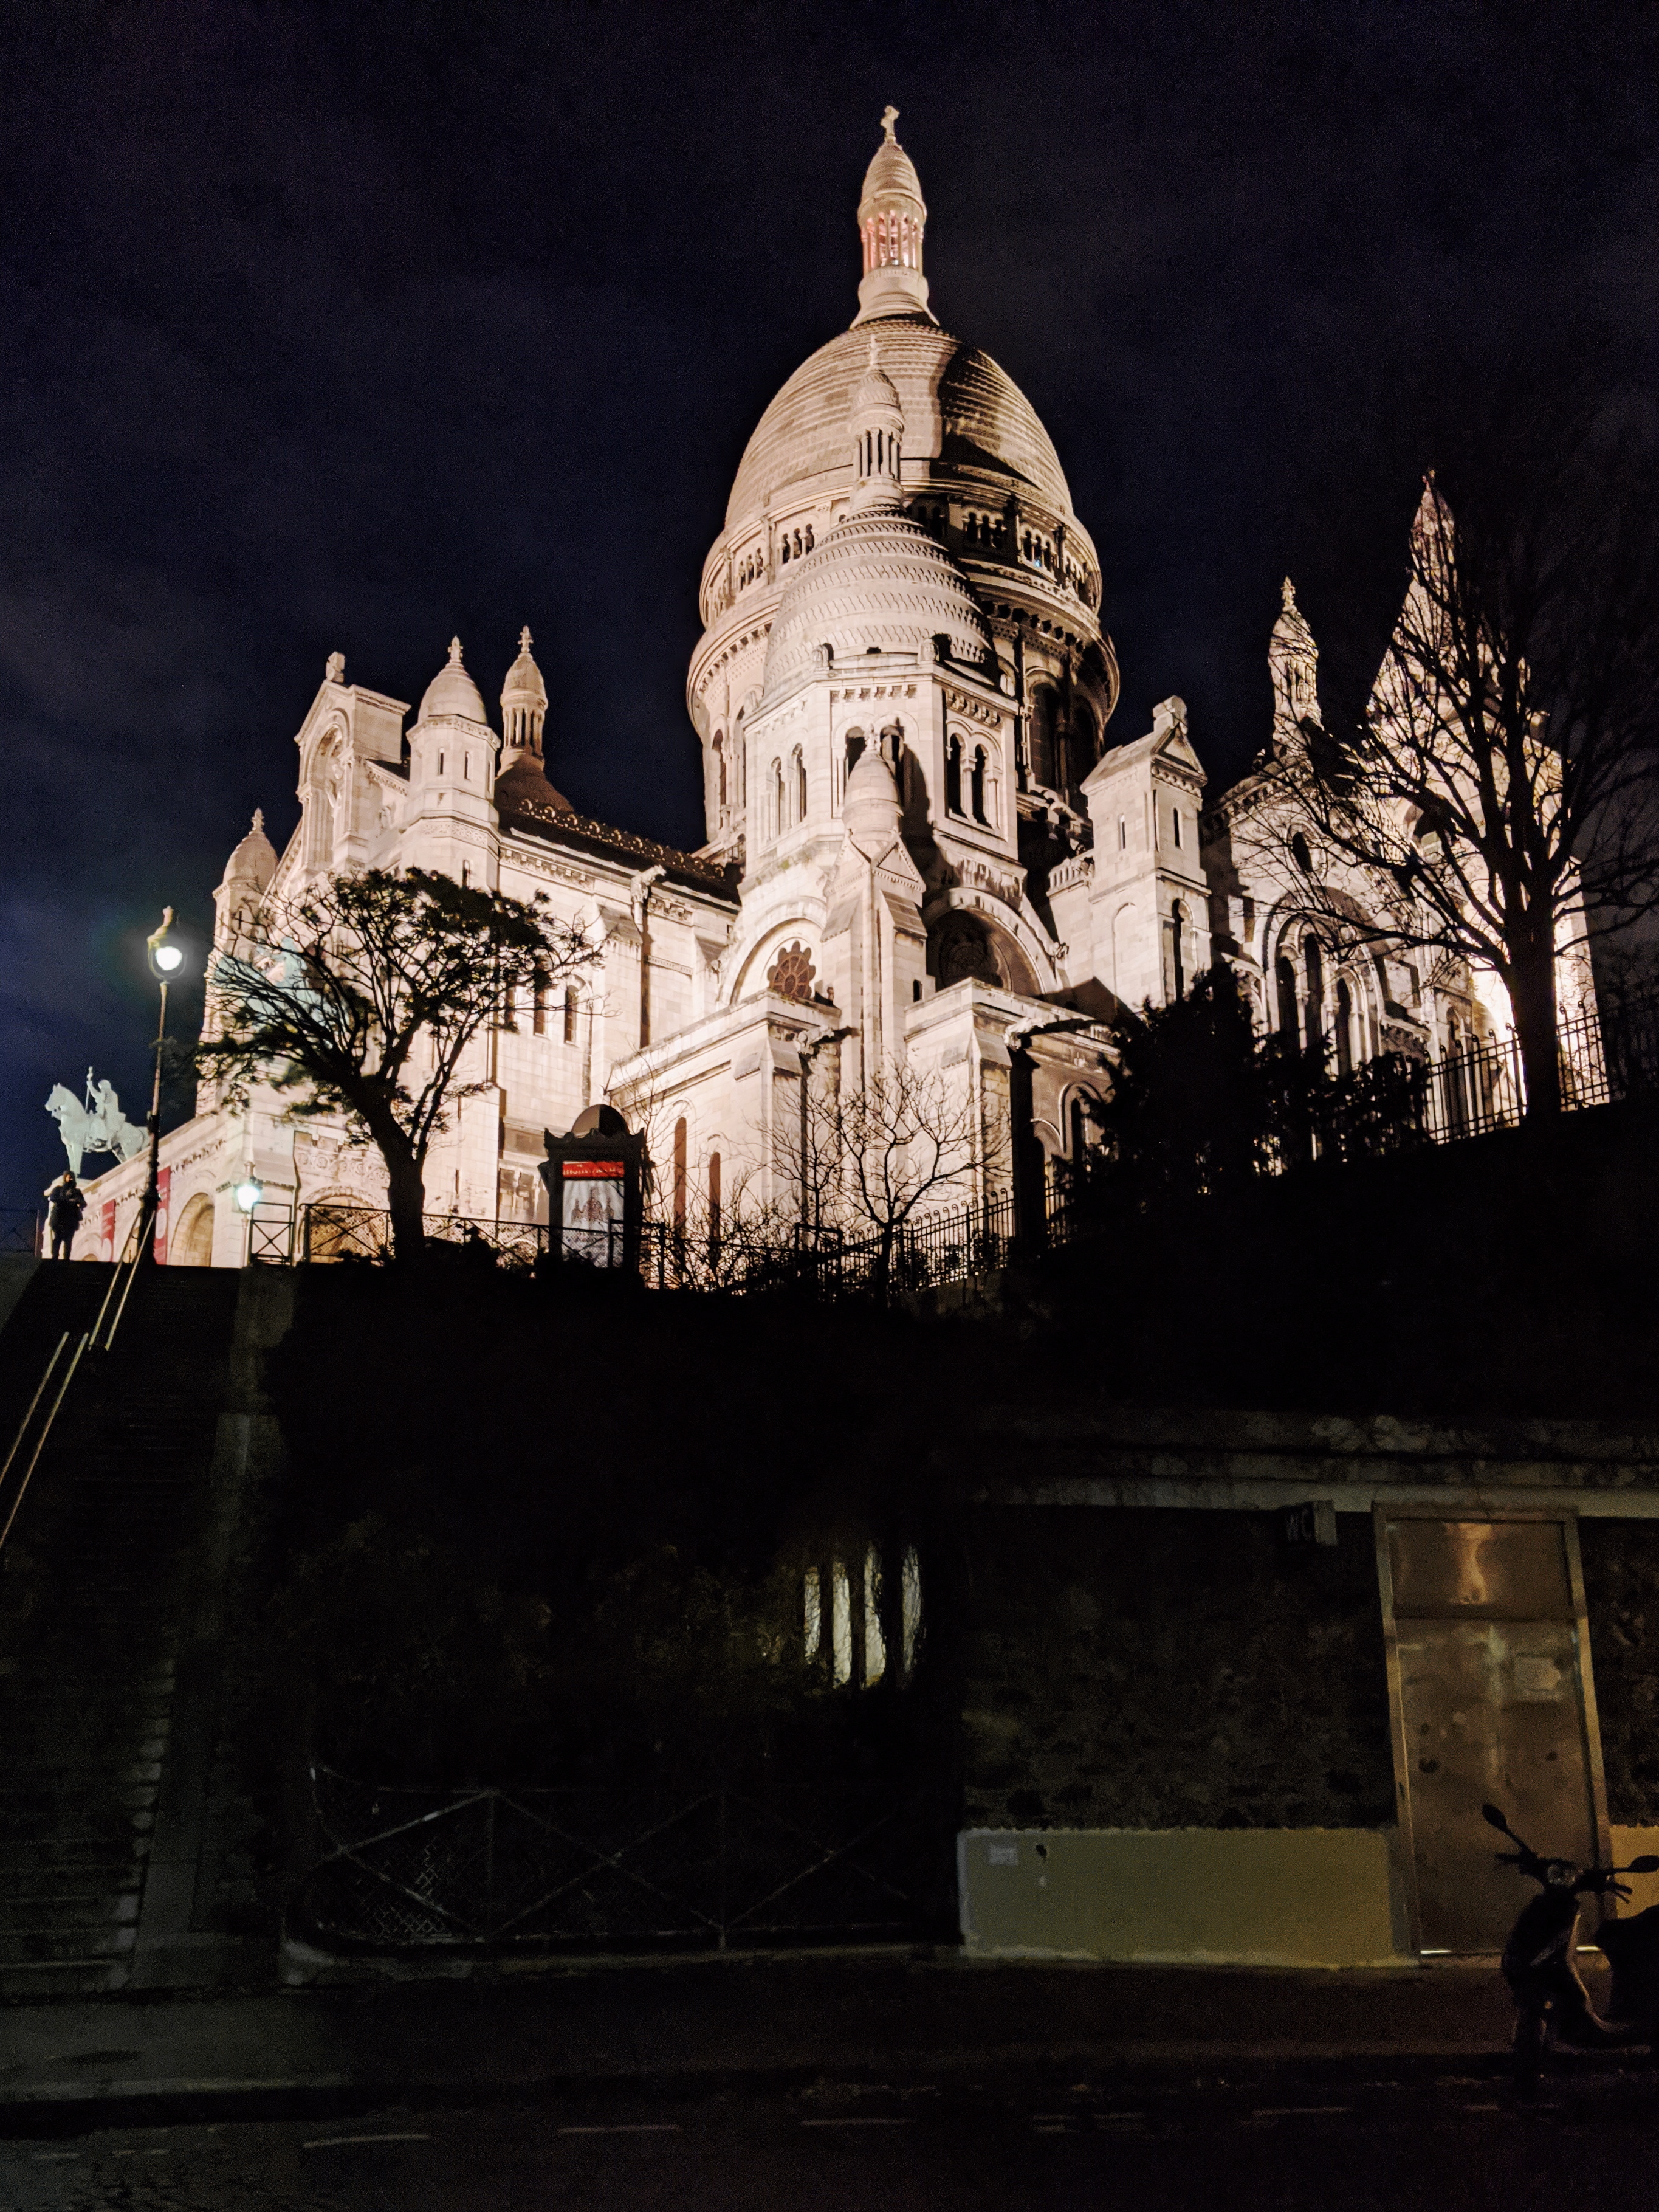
1313, 1523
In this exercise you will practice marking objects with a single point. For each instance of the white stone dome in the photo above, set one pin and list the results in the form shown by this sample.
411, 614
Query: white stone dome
960, 408
254, 860
452, 691
878, 582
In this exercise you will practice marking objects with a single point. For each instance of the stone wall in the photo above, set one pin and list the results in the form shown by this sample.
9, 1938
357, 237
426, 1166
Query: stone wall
1167, 1669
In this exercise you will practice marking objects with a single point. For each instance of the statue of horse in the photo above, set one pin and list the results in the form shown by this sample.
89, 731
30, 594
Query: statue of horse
101, 1128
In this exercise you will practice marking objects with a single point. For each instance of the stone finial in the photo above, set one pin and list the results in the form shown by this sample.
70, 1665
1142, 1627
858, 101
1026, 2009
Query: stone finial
335, 673
1288, 597
889, 117
524, 639
259, 820
454, 653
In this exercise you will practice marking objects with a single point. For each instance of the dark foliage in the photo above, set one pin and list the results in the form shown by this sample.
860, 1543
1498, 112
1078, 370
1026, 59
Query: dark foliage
1202, 1105
550, 1531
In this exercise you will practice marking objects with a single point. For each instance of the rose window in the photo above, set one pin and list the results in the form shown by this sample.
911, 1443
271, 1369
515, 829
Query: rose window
790, 975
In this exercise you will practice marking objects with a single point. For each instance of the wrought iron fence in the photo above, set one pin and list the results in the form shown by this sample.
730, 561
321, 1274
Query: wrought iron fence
1388, 1105
335, 1231
618, 1870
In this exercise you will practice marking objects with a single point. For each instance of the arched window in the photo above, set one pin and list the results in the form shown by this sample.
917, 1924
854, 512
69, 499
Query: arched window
1043, 760
1078, 1124
1176, 926
977, 786
954, 774
538, 1002
809, 540
569, 1013
1314, 961
1300, 854
1082, 749
1344, 1028
714, 1209
776, 798
800, 786
786, 547
1285, 977
679, 1176
720, 772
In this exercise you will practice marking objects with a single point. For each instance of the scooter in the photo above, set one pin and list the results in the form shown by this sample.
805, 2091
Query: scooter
1541, 1960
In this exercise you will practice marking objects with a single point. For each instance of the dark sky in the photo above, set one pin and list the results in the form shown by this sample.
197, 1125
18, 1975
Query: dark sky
351, 327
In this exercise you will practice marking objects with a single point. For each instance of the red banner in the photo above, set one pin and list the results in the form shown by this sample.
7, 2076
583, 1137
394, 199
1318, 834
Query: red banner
163, 1187
106, 1231
594, 1171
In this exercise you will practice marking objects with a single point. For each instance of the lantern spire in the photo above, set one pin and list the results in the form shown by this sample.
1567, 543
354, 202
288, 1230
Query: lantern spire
891, 219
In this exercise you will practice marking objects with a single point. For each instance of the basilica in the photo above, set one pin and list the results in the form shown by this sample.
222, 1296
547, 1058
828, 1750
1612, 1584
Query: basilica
925, 845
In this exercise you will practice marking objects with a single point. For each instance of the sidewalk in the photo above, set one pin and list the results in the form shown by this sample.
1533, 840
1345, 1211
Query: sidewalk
731, 2023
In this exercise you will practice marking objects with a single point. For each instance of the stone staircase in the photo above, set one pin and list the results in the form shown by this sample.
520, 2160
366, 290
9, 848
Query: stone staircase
93, 1585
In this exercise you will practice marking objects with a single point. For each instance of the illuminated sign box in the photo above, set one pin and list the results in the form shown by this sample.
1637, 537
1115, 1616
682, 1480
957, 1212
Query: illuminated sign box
594, 1178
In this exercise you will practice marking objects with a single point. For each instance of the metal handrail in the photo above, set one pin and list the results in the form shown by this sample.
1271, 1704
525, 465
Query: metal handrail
129, 1261
39, 1393
46, 1426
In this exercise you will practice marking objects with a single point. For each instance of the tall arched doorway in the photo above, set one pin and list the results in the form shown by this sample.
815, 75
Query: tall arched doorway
192, 1243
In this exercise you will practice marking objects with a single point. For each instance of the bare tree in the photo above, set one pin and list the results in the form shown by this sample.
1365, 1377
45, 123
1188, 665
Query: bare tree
870, 1160
363, 995
1497, 803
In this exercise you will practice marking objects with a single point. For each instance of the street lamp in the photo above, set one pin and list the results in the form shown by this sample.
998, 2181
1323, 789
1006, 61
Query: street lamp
247, 1194
166, 959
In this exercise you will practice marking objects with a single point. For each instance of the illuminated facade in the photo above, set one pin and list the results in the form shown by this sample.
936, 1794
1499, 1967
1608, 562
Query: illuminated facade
920, 848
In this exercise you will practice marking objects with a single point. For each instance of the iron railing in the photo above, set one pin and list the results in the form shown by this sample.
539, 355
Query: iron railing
20, 1229
333, 1230
1389, 1105
615, 1869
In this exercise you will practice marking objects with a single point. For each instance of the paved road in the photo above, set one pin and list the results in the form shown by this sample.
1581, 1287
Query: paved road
1450, 2143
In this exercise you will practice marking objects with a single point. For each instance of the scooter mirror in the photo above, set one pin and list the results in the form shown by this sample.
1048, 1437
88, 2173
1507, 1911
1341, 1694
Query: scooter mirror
1494, 1819
1647, 1865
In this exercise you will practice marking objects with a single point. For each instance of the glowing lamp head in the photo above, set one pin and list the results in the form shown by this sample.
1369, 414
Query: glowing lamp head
165, 957
248, 1192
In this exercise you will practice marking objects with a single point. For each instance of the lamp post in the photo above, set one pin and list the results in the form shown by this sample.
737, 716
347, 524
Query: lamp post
247, 1194
166, 959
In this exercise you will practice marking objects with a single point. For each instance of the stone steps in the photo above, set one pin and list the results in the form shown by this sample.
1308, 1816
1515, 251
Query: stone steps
86, 1656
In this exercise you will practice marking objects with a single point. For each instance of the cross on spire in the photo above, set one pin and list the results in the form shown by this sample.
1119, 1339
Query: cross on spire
889, 117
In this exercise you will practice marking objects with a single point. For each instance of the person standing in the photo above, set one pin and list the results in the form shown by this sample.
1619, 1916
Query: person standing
65, 1204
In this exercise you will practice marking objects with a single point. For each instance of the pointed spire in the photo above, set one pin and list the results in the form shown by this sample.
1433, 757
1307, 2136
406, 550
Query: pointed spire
891, 219
1293, 666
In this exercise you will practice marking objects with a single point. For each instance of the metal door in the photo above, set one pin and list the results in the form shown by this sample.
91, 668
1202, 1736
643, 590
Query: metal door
1489, 1681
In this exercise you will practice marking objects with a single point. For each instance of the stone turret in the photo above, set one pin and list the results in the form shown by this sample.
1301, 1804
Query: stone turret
452, 817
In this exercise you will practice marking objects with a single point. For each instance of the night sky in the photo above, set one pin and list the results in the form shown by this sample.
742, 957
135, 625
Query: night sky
349, 328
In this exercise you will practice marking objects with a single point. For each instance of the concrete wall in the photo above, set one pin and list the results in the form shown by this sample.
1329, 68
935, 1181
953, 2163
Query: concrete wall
1271, 1897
